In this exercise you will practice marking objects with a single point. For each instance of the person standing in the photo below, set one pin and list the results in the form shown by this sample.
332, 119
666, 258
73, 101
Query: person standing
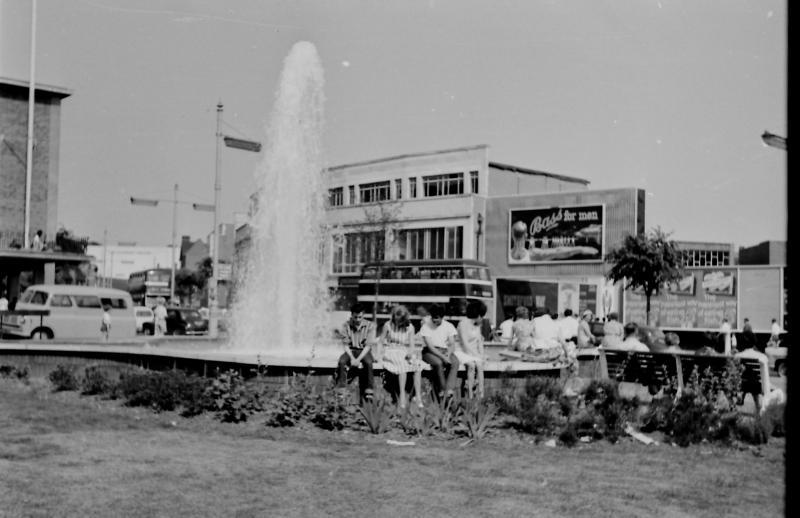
725, 333
438, 337
105, 325
160, 317
747, 327
3, 302
775, 332
38, 241
358, 335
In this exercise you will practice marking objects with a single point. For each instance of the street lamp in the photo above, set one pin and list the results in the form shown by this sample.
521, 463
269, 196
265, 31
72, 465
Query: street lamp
237, 143
153, 202
774, 140
478, 234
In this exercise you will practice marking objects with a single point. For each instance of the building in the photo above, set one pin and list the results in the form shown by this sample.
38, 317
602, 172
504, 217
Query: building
420, 206
766, 252
17, 265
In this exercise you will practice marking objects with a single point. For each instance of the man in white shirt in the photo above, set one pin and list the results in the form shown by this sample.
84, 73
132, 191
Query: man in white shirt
546, 332
631, 341
439, 337
569, 327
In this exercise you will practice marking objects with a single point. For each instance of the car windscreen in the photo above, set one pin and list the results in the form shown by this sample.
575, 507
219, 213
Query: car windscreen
191, 314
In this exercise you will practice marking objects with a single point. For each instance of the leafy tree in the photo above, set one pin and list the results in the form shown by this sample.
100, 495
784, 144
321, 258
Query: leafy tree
186, 284
647, 262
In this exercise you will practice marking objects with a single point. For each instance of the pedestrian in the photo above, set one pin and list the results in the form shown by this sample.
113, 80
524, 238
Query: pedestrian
160, 317
358, 337
504, 330
725, 335
775, 333
613, 331
3, 302
585, 336
747, 327
38, 241
105, 325
569, 327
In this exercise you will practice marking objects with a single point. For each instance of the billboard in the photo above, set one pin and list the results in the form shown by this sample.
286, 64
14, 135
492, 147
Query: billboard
573, 233
700, 300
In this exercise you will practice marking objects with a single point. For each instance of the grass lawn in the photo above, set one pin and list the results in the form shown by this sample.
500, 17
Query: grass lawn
62, 454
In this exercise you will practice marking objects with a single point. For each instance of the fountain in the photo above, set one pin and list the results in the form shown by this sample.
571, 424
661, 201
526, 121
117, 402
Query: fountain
282, 302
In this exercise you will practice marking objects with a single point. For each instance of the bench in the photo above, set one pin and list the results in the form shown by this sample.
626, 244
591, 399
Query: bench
655, 369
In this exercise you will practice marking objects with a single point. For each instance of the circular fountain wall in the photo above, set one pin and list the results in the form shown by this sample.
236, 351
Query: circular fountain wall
282, 303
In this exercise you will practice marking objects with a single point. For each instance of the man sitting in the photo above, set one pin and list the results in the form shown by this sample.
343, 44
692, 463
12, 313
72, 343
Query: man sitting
358, 335
438, 351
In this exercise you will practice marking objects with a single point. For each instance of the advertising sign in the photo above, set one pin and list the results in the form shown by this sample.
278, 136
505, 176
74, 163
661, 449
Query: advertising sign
556, 234
698, 301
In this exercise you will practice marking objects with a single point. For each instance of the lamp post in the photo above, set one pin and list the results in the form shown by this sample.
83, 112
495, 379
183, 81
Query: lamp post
478, 234
153, 202
213, 287
773, 140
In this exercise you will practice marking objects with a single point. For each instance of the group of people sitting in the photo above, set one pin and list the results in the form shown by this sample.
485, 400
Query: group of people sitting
403, 350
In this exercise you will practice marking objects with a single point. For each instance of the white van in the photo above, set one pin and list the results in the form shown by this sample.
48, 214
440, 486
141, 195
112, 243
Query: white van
75, 312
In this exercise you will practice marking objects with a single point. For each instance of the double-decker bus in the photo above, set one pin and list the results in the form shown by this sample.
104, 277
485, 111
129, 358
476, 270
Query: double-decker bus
453, 283
147, 285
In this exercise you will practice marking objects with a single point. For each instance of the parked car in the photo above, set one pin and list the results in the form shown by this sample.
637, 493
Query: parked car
144, 320
185, 321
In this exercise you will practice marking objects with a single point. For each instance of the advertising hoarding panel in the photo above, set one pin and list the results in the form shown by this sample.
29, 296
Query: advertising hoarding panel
556, 234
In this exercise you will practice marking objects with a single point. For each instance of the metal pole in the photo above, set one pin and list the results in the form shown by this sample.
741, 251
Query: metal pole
172, 251
213, 305
31, 103
105, 255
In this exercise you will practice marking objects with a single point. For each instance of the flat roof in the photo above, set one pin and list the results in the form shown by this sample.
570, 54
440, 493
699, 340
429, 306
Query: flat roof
408, 155
56, 91
534, 172
495, 165
13, 258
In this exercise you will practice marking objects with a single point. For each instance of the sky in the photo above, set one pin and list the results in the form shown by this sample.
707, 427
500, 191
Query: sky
668, 96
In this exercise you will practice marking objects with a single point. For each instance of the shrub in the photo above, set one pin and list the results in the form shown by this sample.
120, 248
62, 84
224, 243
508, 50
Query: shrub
293, 403
230, 398
413, 422
331, 411
63, 378
442, 415
543, 408
753, 429
505, 397
95, 381
164, 391
10, 371
477, 415
377, 414
606, 411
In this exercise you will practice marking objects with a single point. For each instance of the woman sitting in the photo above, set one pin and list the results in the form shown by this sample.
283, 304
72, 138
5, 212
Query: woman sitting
399, 353
613, 332
469, 349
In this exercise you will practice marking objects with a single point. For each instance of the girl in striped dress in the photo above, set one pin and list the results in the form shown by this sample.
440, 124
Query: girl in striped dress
399, 353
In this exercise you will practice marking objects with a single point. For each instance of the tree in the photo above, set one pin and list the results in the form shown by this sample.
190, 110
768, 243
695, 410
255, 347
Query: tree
647, 262
369, 237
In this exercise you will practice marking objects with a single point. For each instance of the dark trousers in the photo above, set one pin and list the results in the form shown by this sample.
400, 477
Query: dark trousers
366, 379
444, 376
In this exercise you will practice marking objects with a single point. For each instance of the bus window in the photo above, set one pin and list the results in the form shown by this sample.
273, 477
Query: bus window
471, 273
484, 273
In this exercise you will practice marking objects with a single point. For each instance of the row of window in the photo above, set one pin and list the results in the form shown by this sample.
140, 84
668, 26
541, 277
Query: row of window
39, 298
449, 184
706, 257
352, 251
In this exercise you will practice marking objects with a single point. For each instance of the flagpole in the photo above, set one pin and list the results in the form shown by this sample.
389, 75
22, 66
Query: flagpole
31, 104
